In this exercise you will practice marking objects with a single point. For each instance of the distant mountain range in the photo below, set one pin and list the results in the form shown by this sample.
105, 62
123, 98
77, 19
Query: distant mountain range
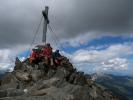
122, 86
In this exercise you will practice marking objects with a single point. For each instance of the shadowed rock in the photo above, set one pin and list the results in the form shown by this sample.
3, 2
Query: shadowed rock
42, 82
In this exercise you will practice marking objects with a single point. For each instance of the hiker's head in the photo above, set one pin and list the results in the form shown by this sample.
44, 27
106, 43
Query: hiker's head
48, 44
35, 49
57, 51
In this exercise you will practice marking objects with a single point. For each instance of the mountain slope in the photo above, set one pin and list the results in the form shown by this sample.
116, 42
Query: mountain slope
122, 86
43, 82
2, 75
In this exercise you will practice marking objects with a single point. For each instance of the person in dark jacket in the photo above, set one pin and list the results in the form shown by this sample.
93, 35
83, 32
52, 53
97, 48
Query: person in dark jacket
57, 57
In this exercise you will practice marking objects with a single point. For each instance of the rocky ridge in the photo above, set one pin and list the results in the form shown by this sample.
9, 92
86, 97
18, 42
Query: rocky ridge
41, 82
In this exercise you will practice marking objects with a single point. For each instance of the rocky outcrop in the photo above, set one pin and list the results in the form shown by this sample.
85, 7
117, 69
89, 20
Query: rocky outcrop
42, 82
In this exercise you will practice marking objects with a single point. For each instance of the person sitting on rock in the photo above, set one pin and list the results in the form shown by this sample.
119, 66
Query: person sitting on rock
34, 57
57, 57
47, 53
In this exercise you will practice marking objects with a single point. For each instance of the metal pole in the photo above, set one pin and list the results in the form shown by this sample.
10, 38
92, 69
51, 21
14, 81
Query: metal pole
46, 21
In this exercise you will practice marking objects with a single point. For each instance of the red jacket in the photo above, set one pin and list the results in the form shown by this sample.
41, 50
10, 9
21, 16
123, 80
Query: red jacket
47, 51
34, 55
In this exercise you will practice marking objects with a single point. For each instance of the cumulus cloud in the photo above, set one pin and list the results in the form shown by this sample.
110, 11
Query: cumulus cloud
115, 64
7, 57
82, 39
94, 56
5, 62
6, 67
112, 58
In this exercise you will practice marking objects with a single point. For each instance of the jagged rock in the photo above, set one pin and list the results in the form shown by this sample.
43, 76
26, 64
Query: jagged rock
42, 66
51, 73
61, 73
11, 92
42, 82
22, 76
66, 64
80, 79
18, 64
27, 68
9, 81
54, 92
37, 75
72, 77
50, 81
3, 93
14, 92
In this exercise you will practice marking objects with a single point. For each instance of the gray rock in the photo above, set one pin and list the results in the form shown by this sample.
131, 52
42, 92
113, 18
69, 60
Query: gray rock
72, 77
37, 74
61, 73
22, 76
80, 79
18, 64
11, 92
14, 92
41, 82
3, 93
9, 81
51, 73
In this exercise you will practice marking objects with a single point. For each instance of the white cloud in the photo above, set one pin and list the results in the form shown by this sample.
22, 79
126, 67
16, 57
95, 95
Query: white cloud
22, 59
81, 39
8, 66
93, 56
4, 54
85, 56
110, 58
7, 57
115, 64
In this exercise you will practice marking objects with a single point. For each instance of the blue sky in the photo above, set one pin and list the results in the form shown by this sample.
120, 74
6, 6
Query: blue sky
123, 57
106, 40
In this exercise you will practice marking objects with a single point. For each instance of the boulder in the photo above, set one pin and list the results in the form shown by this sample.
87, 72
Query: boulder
22, 76
51, 73
37, 75
80, 79
11, 92
43, 84
9, 81
14, 92
61, 73
18, 64
3, 93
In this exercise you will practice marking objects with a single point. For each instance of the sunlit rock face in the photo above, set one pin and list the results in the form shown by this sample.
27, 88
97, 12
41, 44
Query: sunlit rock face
43, 82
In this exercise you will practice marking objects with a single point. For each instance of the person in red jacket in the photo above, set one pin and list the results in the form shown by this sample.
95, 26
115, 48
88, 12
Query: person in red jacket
47, 53
34, 57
